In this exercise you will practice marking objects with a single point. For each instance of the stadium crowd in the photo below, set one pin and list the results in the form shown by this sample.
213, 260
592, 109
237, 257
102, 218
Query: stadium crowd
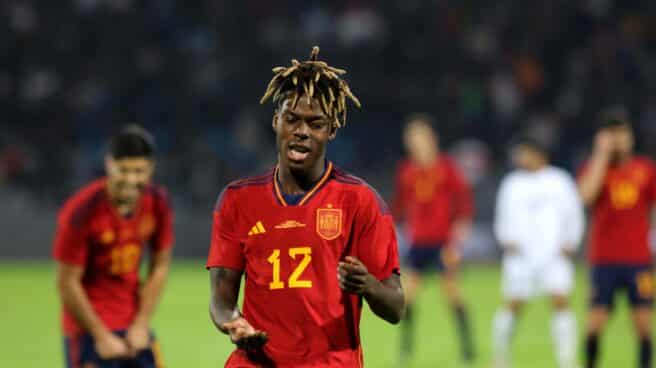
192, 75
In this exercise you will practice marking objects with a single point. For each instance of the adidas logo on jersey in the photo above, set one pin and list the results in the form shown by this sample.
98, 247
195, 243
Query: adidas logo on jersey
258, 228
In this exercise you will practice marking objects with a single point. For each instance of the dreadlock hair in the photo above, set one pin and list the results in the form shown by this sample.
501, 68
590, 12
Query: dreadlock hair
312, 78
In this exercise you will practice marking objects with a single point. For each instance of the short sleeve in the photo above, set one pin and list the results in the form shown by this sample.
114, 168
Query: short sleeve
375, 237
164, 234
70, 244
652, 185
226, 249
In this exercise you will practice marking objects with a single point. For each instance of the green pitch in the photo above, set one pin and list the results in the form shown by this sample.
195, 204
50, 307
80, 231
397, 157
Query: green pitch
30, 335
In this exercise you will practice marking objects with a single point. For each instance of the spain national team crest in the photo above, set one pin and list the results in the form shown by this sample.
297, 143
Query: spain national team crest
329, 222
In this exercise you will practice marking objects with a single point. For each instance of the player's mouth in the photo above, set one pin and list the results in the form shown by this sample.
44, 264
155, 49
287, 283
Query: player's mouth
297, 152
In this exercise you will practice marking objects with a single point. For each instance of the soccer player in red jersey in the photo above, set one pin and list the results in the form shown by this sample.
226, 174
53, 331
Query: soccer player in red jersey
620, 190
435, 203
102, 232
311, 240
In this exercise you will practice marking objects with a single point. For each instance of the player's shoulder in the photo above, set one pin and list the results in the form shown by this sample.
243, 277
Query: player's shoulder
644, 161
512, 177
79, 206
559, 173
246, 185
365, 194
157, 192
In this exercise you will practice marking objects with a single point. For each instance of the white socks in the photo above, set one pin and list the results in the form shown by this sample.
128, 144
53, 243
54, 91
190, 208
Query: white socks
502, 331
563, 328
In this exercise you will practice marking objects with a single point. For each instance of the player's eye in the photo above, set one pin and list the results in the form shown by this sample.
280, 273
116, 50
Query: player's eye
317, 124
290, 118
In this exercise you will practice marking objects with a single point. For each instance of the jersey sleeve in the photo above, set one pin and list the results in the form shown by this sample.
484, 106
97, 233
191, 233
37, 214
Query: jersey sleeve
226, 249
164, 234
375, 237
652, 184
70, 243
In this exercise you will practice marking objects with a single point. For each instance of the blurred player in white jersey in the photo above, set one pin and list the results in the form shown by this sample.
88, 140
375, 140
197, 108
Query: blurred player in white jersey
539, 223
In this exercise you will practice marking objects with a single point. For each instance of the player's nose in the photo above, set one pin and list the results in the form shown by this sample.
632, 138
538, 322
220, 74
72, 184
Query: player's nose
302, 130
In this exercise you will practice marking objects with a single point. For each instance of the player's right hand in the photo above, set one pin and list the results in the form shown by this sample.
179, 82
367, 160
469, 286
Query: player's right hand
110, 346
603, 143
244, 335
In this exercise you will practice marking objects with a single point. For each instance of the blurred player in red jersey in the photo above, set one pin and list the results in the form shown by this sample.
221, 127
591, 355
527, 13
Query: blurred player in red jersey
435, 203
102, 233
620, 190
312, 240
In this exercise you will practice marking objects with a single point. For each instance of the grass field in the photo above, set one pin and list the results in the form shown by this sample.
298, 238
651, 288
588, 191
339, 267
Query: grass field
30, 335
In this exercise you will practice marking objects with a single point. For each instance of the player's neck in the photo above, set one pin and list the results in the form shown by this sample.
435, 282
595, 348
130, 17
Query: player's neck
620, 160
426, 162
123, 208
298, 182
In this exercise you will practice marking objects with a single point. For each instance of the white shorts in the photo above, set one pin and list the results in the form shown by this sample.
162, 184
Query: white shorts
522, 279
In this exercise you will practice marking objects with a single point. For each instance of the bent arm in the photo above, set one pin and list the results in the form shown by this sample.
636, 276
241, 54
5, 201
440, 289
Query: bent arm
152, 289
591, 182
74, 298
386, 299
224, 284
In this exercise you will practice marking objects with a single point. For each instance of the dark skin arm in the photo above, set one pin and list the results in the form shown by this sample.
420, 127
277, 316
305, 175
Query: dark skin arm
225, 284
385, 298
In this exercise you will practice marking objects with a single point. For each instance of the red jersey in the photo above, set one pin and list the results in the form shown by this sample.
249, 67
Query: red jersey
619, 230
290, 255
430, 199
91, 233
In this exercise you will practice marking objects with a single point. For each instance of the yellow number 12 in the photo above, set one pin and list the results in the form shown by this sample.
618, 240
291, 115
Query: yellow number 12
294, 282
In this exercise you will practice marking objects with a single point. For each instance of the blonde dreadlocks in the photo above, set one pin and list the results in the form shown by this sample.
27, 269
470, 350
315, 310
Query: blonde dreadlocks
312, 78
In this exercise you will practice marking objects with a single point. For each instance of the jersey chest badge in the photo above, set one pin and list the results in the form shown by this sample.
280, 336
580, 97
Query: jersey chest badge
329, 222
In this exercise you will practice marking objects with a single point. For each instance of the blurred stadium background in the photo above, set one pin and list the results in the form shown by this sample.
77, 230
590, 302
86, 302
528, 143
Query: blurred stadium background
71, 72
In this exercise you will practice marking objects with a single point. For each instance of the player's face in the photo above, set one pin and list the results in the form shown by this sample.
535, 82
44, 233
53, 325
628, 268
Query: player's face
127, 177
623, 140
421, 142
526, 158
302, 134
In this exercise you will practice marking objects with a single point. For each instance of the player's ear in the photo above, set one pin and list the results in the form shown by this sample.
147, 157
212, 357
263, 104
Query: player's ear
108, 163
274, 122
333, 132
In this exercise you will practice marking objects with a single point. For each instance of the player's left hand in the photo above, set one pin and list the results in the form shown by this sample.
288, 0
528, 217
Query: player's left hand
354, 277
138, 338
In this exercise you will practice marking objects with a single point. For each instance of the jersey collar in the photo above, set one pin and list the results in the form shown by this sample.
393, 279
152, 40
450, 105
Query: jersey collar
309, 194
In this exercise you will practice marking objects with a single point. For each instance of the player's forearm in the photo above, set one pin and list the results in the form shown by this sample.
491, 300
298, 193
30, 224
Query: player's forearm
150, 294
591, 182
77, 303
224, 283
386, 299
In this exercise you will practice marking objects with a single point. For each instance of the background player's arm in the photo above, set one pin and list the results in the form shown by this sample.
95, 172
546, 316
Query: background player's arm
73, 296
573, 218
225, 283
592, 180
385, 298
504, 220
139, 332
464, 209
